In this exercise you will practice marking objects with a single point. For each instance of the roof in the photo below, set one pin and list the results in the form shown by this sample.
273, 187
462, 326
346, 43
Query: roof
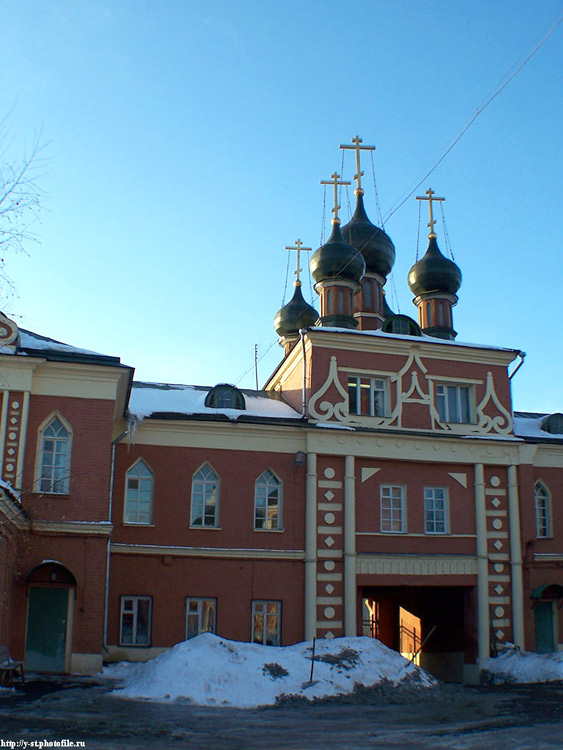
528, 425
169, 401
34, 345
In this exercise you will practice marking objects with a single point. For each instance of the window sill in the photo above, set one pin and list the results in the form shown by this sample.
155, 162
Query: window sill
44, 493
269, 531
142, 525
205, 528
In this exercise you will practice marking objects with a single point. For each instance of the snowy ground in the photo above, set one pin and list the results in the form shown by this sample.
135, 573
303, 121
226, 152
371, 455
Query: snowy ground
523, 667
213, 671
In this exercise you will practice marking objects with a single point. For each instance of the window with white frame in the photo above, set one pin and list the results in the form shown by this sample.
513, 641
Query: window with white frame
367, 396
267, 501
138, 494
205, 498
542, 501
436, 519
135, 629
200, 616
454, 403
392, 508
266, 622
54, 457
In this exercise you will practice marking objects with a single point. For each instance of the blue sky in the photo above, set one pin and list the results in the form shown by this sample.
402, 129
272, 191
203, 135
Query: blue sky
186, 142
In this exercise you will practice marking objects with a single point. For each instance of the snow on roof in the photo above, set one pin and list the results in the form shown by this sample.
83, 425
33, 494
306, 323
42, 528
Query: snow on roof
521, 666
166, 398
427, 339
528, 425
31, 340
212, 671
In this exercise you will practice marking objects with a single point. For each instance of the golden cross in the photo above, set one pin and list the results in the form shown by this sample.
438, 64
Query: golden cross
299, 247
335, 181
359, 174
430, 198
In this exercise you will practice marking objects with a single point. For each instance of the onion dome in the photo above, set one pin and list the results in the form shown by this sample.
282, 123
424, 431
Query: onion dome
434, 272
295, 315
374, 244
337, 259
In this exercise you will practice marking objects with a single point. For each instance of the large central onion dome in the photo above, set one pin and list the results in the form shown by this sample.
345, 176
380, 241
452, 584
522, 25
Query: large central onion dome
337, 259
434, 273
294, 316
374, 244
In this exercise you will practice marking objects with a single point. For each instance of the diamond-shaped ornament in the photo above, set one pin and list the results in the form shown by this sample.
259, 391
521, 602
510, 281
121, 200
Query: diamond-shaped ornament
497, 544
329, 495
495, 501
329, 634
499, 589
500, 635
329, 588
329, 541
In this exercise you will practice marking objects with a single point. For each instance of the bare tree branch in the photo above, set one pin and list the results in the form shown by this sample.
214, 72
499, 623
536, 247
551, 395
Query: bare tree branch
20, 203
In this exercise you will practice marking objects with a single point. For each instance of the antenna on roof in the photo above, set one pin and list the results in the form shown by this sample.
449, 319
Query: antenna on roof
256, 363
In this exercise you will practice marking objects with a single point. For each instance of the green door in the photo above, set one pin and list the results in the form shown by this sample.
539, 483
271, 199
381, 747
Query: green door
45, 644
545, 630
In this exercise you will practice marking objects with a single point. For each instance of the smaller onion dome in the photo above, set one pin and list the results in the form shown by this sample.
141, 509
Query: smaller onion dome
295, 315
374, 244
434, 272
337, 259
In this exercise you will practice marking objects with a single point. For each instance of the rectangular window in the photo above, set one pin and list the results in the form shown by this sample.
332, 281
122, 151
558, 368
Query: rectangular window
392, 507
135, 627
454, 403
367, 396
435, 510
200, 616
266, 622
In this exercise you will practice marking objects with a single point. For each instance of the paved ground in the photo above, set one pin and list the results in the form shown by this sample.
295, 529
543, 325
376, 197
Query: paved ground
448, 716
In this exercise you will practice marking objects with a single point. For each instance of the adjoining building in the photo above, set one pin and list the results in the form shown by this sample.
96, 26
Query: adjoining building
380, 484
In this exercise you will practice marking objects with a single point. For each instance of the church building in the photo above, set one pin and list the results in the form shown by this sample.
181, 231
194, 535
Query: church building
380, 484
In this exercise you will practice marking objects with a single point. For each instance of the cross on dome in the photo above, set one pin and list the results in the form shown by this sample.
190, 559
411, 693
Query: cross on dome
357, 148
335, 180
299, 247
430, 197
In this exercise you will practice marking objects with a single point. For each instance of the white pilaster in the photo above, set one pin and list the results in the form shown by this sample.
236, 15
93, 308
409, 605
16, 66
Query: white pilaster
515, 559
483, 636
311, 548
349, 548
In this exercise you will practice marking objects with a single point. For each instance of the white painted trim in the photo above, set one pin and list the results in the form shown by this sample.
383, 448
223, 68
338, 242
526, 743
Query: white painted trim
311, 547
349, 548
226, 552
516, 559
482, 567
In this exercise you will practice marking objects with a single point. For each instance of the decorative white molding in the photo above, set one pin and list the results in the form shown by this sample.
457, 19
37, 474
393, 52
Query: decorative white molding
367, 473
426, 565
326, 410
502, 423
460, 478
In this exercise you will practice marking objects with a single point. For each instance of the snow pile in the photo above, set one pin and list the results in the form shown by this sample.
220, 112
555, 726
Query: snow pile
213, 671
522, 666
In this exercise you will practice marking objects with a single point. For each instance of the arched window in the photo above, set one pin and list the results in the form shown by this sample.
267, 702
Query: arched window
267, 501
441, 313
341, 301
428, 314
542, 502
328, 302
53, 474
205, 498
138, 494
225, 396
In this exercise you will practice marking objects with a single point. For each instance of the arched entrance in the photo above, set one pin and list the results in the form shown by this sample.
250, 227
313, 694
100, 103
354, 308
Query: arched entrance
546, 599
50, 601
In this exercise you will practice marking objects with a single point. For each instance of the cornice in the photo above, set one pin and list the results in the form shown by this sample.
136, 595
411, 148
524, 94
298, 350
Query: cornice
239, 553
356, 342
89, 528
